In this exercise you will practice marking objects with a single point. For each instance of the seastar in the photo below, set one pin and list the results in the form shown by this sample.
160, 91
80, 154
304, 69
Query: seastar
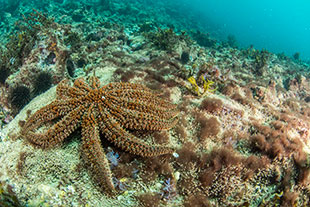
110, 110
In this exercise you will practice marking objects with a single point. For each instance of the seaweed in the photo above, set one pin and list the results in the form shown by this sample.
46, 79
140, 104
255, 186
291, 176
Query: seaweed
203, 39
165, 39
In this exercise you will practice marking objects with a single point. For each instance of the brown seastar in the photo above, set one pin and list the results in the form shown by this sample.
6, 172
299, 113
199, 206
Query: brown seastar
110, 110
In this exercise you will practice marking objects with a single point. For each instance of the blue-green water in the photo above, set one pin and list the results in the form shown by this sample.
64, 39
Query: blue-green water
278, 26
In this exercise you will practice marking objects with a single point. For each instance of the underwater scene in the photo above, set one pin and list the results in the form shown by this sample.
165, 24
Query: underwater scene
140, 103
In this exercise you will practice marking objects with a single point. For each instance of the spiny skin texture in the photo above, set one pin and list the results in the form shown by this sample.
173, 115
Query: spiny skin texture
109, 110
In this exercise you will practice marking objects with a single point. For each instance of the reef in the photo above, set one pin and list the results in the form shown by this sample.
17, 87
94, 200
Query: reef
238, 118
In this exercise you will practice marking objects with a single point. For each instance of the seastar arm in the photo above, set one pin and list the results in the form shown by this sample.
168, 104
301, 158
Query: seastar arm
57, 133
125, 140
142, 113
81, 85
94, 82
62, 90
134, 119
151, 103
65, 91
93, 152
124, 86
47, 113
137, 91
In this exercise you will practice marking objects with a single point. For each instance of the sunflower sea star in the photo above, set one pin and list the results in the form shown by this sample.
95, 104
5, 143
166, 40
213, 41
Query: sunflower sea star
109, 110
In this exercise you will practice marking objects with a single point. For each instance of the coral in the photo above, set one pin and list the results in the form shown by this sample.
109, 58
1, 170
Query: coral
110, 110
